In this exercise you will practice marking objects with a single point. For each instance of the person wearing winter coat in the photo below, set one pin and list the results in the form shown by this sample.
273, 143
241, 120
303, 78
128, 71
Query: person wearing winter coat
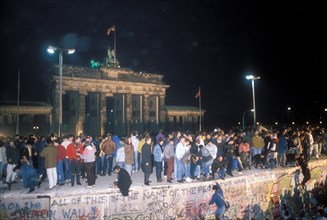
169, 154
28, 175
50, 161
305, 169
108, 147
89, 162
146, 162
73, 153
158, 158
218, 199
13, 155
282, 148
3, 158
124, 180
129, 156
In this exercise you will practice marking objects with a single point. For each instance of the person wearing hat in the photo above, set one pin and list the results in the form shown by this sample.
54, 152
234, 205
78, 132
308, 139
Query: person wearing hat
124, 180
219, 200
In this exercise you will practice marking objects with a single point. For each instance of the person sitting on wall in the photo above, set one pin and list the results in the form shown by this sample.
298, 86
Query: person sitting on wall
259, 160
218, 168
28, 174
124, 180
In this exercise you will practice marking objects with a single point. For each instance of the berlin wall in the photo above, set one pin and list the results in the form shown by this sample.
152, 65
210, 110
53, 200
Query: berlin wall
249, 195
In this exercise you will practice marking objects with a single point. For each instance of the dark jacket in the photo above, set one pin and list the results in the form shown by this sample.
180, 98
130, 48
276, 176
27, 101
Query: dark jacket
220, 149
124, 181
282, 144
218, 198
13, 155
146, 158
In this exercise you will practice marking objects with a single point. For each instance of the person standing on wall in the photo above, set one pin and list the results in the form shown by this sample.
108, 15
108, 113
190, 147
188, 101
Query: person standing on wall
169, 154
73, 153
12, 154
146, 162
50, 161
67, 140
158, 158
108, 147
129, 156
135, 142
89, 161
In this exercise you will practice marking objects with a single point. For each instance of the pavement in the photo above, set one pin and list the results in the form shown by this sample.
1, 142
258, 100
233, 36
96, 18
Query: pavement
102, 183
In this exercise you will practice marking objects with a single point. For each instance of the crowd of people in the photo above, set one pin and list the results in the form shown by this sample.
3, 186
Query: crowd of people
186, 155
179, 156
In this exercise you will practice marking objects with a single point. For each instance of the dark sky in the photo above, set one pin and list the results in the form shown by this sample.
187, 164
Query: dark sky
212, 44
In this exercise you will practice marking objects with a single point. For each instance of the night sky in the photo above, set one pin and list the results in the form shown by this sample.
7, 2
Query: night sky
212, 44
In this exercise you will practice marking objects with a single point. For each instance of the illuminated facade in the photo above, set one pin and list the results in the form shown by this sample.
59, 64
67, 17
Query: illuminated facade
117, 100
34, 117
98, 101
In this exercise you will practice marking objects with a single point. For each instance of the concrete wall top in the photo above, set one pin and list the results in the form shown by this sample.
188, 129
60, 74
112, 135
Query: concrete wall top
251, 195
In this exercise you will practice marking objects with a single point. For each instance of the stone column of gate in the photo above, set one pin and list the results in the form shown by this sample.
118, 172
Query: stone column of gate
162, 111
81, 113
49, 121
146, 111
103, 113
128, 113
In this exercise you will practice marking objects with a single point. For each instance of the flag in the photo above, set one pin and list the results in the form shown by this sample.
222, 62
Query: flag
197, 95
112, 28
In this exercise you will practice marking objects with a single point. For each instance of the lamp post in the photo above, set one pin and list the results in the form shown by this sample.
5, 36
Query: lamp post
52, 49
243, 124
252, 78
289, 114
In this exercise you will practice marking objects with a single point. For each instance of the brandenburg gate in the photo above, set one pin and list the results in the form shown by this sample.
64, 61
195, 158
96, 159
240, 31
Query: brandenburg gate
111, 99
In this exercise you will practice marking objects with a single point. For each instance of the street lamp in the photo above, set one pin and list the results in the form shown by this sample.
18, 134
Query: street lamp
252, 78
289, 114
251, 110
52, 49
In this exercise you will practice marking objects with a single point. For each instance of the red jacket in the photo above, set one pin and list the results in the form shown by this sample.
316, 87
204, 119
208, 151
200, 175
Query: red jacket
72, 151
61, 152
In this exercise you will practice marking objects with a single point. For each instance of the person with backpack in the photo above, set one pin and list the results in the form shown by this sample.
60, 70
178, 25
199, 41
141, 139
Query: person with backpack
219, 200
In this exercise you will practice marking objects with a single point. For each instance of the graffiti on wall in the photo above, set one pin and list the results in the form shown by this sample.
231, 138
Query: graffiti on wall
80, 207
255, 196
162, 203
24, 208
